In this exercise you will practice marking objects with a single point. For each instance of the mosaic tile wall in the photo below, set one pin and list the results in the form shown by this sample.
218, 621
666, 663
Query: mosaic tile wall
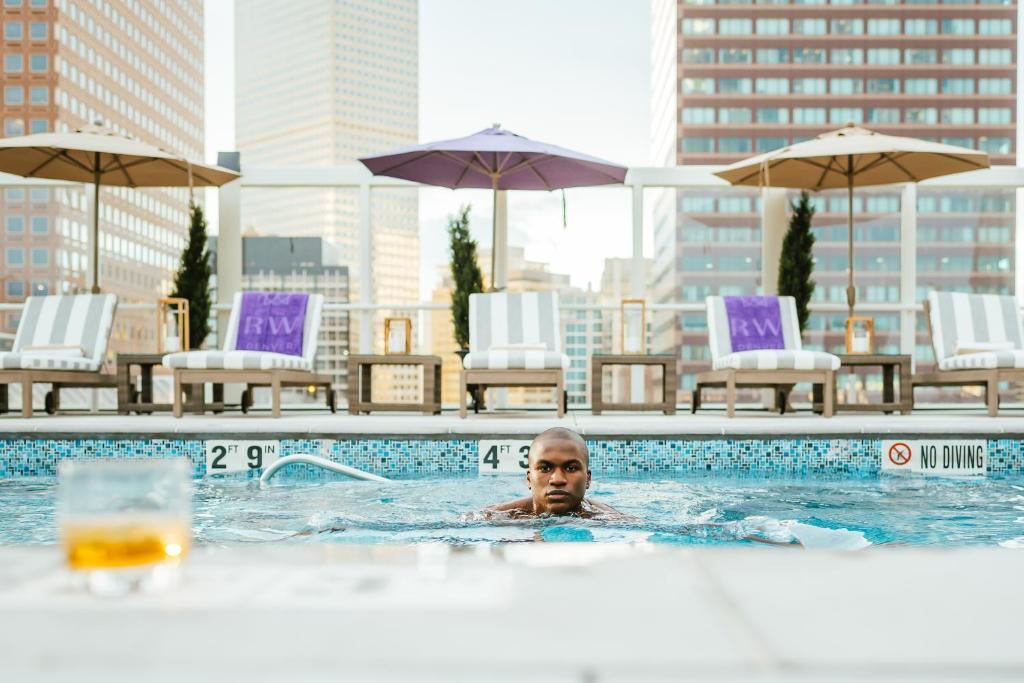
405, 459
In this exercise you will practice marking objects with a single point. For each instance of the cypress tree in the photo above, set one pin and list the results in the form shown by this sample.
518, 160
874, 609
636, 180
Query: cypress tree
192, 281
796, 264
466, 274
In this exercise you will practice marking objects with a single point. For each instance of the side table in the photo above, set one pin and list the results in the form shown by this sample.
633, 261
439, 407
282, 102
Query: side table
889, 363
129, 400
667, 361
360, 395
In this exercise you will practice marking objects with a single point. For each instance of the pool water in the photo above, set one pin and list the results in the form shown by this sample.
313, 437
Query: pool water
886, 510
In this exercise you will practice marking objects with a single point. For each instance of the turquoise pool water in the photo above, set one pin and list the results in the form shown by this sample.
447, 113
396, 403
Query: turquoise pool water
886, 510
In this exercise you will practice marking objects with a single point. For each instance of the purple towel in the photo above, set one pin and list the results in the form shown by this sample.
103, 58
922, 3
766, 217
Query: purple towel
272, 321
755, 323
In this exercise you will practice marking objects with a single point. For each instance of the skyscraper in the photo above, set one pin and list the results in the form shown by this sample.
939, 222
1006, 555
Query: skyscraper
732, 79
138, 69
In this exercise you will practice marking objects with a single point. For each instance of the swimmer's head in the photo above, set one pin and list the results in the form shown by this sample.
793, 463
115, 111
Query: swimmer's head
559, 472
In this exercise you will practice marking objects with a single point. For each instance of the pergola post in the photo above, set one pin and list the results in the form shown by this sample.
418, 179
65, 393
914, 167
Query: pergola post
366, 316
908, 269
773, 232
229, 241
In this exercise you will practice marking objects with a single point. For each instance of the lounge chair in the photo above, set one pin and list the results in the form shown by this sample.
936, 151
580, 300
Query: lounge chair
61, 340
755, 343
270, 322
514, 342
978, 340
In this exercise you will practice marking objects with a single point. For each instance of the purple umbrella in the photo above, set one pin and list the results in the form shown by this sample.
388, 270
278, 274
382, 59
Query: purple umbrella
496, 159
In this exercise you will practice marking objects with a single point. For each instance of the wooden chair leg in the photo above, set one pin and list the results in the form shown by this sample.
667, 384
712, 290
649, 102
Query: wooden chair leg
4, 406
177, 394
275, 396
730, 394
829, 398
26, 395
560, 395
992, 394
462, 393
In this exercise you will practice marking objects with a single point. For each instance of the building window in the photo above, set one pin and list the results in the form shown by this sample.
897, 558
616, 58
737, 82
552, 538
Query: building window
883, 115
848, 56
730, 145
14, 127
698, 27
772, 86
38, 30
14, 94
40, 94
994, 145
40, 256
997, 116
848, 27
995, 27
698, 86
735, 27
773, 27
735, 56
995, 56
39, 126
39, 63
846, 86
12, 3
808, 55
14, 30
920, 27
884, 86
772, 115
883, 55
920, 115
37, 3
773, 56
957, 86
958, 27
957, 115
698, 145
15, 289
15, 225
40, 195
13, 63
40, 288
809, 27
770, 144
734, 86
40, 225
922, 56
958, 56
698, 115
14, 194
698, 55
921, 86
883, 27
809, 86
734, 115
15, 256
842, 115
994, 86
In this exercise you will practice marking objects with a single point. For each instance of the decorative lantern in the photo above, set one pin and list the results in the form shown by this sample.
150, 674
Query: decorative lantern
397, 336
634, 326
171, 325
860, 334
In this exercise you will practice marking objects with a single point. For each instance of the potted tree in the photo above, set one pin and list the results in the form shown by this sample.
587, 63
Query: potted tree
192, 281
466, 279
796, 264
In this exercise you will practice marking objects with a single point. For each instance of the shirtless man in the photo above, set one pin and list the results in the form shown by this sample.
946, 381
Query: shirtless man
558, 477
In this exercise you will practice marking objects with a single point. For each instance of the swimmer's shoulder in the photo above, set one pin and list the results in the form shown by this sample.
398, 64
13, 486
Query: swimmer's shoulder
512, 508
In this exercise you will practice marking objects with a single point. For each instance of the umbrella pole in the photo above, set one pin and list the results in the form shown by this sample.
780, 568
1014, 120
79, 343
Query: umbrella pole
494, 230
851, 292
96, 227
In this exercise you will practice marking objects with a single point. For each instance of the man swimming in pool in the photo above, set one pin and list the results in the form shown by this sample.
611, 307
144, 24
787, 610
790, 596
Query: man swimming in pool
558, 477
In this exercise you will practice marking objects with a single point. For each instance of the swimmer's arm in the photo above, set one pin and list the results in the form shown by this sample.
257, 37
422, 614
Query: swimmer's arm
512, 508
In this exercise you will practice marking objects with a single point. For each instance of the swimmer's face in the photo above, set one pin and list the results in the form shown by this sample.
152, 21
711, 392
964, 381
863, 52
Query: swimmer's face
558, 476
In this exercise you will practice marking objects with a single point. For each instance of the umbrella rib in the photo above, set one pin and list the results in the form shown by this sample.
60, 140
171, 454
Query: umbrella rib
539, 175
824, 171
500, 167
127, 175
385, 171
482, 164
58, 154
892, 160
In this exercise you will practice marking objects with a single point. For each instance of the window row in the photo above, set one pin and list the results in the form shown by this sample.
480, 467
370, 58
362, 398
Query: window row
14, 63
14, 127
845, 26
16, 289
15, 225
15, 95
930, 202
958, 56
15, 256
40, 4
37, 30
846, 86
698, 144
992, 116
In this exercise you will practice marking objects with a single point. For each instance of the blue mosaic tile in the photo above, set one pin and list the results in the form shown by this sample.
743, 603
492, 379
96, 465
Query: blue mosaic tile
414, 458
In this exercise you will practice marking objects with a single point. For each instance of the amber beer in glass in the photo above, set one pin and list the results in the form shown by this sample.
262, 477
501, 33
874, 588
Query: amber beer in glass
125, 524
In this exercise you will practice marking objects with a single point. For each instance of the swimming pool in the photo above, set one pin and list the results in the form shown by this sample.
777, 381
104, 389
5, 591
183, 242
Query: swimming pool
888, 509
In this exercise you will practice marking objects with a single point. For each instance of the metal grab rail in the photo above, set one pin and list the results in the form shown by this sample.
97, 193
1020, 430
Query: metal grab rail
306, 459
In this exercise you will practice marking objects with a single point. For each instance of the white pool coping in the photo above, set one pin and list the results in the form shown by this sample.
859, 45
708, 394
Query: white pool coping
624, 425
574, 612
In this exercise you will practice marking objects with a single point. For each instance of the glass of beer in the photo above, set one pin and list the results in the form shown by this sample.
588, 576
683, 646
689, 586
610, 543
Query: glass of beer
125, 525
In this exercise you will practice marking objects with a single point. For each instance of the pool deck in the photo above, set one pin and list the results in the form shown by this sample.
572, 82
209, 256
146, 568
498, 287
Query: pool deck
706, 425
571, 612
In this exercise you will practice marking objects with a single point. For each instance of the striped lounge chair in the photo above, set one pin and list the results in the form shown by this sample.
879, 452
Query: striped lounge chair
61, 341
978, 340
514, 342
778, 367
254, 368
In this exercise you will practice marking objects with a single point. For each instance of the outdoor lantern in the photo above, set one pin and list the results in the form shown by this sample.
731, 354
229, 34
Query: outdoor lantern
398, 336
634, 326
860, 334
171, 325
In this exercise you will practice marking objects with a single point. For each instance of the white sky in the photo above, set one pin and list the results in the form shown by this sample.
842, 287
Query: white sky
574, 73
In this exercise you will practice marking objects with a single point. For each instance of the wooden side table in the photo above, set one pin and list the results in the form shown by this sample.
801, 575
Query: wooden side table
667, 361
889, 363
360, 396
129, 400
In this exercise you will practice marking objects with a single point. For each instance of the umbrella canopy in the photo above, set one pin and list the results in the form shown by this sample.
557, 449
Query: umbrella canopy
852, 157
495, 159
100, 156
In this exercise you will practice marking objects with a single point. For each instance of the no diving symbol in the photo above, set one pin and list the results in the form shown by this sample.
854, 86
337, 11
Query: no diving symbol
899, 453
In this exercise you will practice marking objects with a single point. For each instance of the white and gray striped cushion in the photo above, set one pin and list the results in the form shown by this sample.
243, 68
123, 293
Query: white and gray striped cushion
517, 360
503, 319
775, 359
959, 318
718, 326
985, 360
83, 320
235, 360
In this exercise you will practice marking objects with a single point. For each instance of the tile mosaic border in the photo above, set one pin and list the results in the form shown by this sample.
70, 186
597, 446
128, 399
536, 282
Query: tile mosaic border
417, 458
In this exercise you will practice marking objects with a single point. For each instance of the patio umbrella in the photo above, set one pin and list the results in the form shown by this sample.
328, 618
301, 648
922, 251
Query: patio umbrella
497, 159
848, 157
99, 156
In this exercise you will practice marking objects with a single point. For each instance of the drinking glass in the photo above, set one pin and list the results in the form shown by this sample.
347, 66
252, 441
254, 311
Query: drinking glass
125, 525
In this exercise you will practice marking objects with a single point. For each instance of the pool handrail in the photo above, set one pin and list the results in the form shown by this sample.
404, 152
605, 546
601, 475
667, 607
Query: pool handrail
316, 460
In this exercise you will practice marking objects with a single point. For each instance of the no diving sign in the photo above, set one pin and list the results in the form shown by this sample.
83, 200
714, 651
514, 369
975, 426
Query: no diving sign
935, 457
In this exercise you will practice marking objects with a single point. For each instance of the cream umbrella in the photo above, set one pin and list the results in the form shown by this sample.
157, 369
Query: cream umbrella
99, 156
848, 157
